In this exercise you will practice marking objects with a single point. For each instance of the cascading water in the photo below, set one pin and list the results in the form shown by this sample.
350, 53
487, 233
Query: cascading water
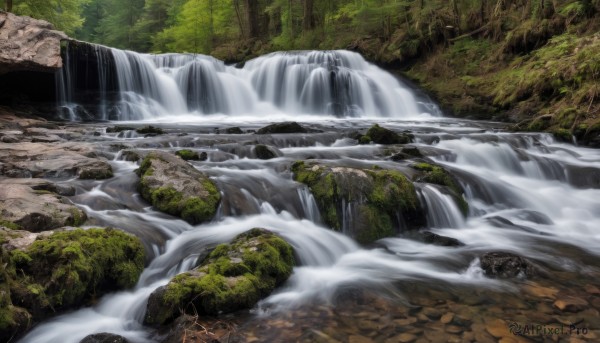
516, 185
339, 83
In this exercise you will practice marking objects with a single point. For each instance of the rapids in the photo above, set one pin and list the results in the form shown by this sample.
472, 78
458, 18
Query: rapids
528, 194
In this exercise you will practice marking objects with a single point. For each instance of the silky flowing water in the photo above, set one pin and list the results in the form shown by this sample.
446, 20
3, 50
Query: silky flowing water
528, 194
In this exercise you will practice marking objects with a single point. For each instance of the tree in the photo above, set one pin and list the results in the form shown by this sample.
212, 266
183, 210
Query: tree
64, 14
8, 5
308, 20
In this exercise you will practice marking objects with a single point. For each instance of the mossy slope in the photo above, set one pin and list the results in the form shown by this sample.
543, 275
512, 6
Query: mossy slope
383, 201
234, 276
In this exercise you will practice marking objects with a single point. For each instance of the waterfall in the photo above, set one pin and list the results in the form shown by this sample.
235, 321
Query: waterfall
336, 83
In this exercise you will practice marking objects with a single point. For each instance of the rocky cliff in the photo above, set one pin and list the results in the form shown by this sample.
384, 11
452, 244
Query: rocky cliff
28, 44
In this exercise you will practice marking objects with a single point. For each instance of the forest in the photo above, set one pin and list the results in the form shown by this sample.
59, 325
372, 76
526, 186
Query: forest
502, 59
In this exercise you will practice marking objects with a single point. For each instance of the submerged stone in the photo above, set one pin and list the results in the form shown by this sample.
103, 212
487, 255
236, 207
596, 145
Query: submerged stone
177, 188
104, 338
506, 265
234, 276
367, 204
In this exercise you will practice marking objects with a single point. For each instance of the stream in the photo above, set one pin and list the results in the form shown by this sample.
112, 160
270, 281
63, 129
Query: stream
527, 193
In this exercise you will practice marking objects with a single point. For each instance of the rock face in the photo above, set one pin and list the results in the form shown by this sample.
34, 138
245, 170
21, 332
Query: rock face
175, 187
36, 210
506, 265
367, 204
53, 271
28, 44
234, 276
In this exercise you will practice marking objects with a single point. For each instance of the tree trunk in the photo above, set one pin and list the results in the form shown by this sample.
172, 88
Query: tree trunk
252, 16
308, 21
8, 6
236, 5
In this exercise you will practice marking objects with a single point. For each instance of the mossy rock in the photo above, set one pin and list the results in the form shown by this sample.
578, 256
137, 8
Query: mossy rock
119, 129
188, 155
440, 176
382, 202
234, 276
100, 171
381, 135
150, 130
175, 187
67, 269
234, 130
285, 127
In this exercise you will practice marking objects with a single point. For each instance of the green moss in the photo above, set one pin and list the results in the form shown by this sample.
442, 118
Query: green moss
77, 217
68, 268
364, 139
562, 135
150, 130
439, 176
382, 135
232, 277
188, 155
10, 225
382, 195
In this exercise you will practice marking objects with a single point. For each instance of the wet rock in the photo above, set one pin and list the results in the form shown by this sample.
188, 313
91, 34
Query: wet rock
10, 139
447, 318
36, 210
592, 289
285, 127
506, 265
28, 44
203, 156
368, 204
234, 130
435, 239
540, 291
234, 276
52, 161
439, 176
65, 269
175, 187
188, 155
381, 135
150, 130
104, 338
264, 152
119, 129
571, 304
359, 339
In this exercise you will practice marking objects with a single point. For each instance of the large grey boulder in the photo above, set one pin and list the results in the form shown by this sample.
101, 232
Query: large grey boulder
28, 44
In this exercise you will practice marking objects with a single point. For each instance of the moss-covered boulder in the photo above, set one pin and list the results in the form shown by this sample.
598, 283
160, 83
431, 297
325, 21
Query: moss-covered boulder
366, 204
175, 187
22, 207
381, 135
234, 276
44, 273
188, 155
437, 175
150, 130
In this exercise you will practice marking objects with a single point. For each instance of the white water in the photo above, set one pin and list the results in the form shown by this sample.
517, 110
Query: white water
339, 83
517, 186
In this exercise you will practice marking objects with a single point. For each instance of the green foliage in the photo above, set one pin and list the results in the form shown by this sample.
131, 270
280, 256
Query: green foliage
66, 15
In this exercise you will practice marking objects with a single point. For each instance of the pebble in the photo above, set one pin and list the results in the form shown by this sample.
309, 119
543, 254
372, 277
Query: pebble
359, 339
447, 318
592, 289
454, 329
570, 304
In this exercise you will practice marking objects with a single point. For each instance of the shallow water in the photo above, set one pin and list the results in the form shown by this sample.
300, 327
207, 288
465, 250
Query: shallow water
522, 196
